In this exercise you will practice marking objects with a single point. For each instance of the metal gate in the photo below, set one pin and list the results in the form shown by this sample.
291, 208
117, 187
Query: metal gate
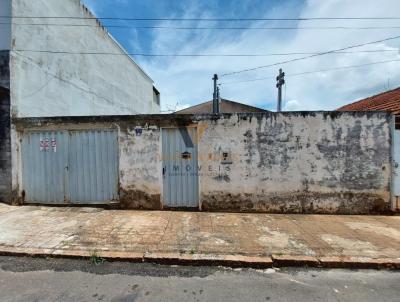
44, 167
396, 169
78, 167
180, 167
93, 166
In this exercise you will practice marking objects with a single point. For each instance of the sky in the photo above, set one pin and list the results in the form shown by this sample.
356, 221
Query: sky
186, 81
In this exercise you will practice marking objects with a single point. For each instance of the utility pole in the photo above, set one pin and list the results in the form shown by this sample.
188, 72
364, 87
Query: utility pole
215, 95
218, 99
280, 82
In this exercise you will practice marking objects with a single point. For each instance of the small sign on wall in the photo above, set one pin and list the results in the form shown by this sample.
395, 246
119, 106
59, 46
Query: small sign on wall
138, 131
47, 145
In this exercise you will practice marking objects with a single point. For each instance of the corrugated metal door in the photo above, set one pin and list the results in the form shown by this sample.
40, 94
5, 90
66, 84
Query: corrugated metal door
396, 159
44, 166
78, 167
180, 167
93, 166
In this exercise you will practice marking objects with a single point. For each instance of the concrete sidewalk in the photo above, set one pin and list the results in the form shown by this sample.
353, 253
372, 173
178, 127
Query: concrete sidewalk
259, 240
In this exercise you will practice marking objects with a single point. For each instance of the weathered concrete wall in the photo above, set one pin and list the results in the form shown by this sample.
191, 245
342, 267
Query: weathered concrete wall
311, 162
140, 174
5, 146
299, 162
45, 84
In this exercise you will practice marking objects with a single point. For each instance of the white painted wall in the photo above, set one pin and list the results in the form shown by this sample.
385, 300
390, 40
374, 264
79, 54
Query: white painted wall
45, 85
5, 29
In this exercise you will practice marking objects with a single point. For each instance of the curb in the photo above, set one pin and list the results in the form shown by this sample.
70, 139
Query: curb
360, 262
209, 259
234, 261
294, 260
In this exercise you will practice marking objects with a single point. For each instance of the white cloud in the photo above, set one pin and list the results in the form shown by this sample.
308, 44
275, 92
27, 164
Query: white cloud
188, 80
292, 105
181, 107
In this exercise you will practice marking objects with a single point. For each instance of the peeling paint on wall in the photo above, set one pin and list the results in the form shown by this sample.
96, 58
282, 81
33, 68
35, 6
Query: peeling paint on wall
296, 202
140, 157
301, 163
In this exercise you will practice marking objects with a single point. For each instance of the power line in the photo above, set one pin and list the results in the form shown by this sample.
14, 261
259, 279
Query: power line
200, 19
208, 28
312, 72
199, 55
308, 57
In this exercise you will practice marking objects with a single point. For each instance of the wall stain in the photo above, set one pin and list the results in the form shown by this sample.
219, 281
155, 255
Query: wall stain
134, 199
358, 169
222, 177
296, 203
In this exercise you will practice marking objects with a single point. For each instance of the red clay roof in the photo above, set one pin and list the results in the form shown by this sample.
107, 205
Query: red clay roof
389, 100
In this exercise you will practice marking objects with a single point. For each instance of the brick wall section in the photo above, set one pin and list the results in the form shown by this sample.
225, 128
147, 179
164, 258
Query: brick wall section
5, 146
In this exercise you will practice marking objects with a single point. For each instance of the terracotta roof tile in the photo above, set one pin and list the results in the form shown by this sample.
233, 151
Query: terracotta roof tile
389, 100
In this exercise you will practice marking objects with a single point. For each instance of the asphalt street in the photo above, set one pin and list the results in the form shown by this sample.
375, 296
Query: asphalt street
36, 279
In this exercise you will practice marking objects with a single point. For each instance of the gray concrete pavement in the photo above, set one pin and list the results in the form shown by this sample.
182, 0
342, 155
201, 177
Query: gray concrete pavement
254, 239
27, 279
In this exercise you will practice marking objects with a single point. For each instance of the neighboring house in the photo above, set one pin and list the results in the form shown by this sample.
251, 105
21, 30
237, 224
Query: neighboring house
385, 101
48, 69
389, 100
75, 82
225, 106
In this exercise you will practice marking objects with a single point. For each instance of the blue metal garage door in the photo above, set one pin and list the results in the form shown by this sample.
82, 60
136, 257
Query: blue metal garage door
180, 167
44, 167
78, 167
93, 166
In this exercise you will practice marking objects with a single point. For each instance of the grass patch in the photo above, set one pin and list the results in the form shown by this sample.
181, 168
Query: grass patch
95, 258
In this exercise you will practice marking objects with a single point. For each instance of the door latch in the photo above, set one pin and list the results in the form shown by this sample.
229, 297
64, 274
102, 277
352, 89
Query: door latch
186, 155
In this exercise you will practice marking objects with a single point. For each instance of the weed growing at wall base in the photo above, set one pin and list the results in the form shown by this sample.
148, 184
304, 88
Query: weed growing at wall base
95, 258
